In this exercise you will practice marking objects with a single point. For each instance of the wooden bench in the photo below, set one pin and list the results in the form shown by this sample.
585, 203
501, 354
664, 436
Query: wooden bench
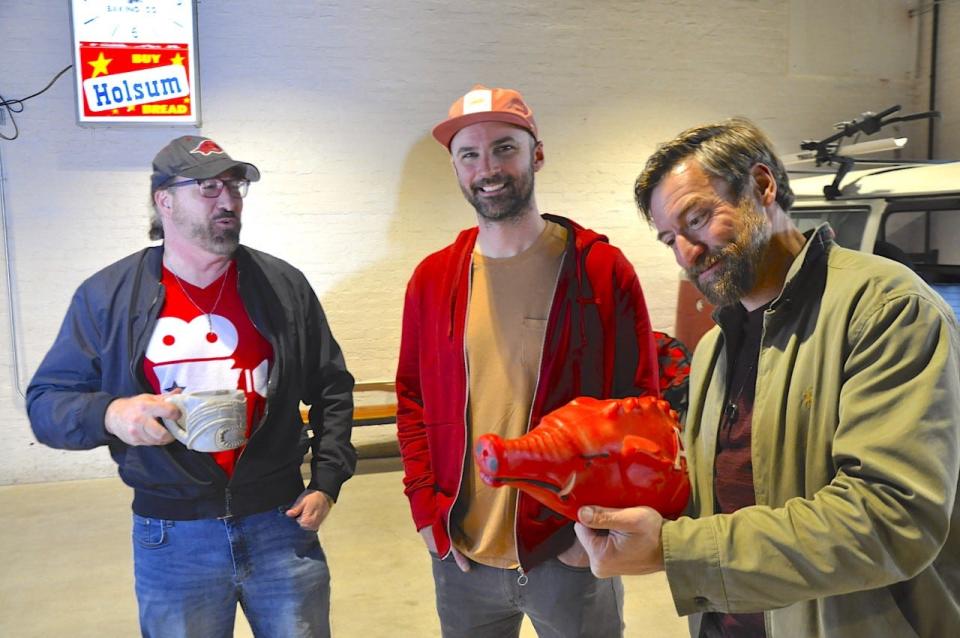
368, 412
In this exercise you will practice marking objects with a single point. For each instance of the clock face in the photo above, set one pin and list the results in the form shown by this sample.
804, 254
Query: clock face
153, 21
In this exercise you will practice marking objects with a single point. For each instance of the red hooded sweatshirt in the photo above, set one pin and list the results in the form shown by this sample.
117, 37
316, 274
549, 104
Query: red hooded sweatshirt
598, 343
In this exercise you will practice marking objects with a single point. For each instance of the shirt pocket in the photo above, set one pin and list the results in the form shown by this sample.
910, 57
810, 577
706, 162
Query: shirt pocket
531, 343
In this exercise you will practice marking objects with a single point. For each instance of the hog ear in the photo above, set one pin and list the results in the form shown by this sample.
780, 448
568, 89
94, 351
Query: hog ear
637, 445
612, 409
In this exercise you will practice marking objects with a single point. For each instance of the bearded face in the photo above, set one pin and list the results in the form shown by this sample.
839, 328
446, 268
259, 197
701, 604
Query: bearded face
502, 197
209, 223
495, 163
724, 275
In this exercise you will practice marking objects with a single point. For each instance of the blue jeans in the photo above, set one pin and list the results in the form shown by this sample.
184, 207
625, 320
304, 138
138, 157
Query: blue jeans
190, 575
561, 601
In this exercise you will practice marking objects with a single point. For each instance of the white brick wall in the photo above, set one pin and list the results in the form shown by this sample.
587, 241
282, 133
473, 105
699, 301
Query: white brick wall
948, 82
334, 101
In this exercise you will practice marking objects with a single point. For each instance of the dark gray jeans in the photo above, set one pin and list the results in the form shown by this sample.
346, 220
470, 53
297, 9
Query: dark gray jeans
561, 601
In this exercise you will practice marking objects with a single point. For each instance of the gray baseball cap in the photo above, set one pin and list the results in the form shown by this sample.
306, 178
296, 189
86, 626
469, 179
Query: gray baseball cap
195, 157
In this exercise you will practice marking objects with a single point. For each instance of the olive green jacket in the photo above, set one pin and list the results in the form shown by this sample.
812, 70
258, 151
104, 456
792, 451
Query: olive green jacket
856, 453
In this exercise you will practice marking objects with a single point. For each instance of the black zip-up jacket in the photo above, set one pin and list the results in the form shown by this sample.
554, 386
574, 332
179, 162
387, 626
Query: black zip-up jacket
98, 357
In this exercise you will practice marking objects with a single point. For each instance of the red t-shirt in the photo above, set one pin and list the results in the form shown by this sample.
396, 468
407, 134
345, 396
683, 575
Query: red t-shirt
204, 340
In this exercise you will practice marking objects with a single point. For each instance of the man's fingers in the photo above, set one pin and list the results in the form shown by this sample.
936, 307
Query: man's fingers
309, 522
462, 561
427, 535
595, 544
586, 536
295, 509
134, 419
575, 555
163, 409
153, 432
593, 541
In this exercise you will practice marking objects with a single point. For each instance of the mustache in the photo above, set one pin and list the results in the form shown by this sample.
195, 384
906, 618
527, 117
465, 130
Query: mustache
225, 214
706, 264
710, 259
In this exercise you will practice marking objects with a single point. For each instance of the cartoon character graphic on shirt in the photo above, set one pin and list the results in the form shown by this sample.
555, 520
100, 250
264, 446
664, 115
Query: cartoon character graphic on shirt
196, 355
210, 346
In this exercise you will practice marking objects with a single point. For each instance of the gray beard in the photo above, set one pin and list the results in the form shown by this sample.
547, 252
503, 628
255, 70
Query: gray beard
739, 266
226, 243
222, 242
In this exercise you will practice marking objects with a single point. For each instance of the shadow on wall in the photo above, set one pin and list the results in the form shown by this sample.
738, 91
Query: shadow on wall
428, 213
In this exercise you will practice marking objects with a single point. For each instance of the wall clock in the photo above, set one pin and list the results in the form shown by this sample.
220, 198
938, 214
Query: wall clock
135, 61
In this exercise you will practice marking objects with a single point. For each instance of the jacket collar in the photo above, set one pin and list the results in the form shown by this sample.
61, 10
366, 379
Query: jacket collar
818, 244
153, 260
579, 241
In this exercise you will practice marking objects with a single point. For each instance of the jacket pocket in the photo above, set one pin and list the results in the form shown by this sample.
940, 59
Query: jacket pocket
153, 467
444, 439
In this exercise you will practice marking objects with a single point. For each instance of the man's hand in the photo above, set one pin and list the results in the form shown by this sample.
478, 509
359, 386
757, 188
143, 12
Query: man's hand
133, 420
575, 555
631, 546
310, 509
427, 535
462, 561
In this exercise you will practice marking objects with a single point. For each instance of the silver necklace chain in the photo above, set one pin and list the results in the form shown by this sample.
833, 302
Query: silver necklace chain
216, 303
732, 409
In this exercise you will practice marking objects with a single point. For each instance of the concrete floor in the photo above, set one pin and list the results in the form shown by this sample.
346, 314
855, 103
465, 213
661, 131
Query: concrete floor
65, 564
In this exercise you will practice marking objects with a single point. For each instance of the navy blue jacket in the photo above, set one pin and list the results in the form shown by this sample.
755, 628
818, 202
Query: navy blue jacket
98, 357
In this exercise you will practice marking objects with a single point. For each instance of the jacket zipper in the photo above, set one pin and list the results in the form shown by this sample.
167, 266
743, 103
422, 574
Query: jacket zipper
137, 349
466, 404
522, 578
271, 380
226, 504
150, 320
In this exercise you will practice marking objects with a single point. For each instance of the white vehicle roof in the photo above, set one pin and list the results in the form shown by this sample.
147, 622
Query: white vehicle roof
882, 181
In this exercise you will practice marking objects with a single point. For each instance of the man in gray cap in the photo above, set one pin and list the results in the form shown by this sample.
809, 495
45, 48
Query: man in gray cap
229, 521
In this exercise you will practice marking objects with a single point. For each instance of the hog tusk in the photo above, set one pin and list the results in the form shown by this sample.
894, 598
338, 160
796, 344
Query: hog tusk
681, 456
569, 486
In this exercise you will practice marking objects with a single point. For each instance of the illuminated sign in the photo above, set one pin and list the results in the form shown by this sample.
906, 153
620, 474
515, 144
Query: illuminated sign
135, 61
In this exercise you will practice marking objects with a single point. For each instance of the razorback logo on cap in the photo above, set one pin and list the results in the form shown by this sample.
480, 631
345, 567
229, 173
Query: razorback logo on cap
207, 147
518, 105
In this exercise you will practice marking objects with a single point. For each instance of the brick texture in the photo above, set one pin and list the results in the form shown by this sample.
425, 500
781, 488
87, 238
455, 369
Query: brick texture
334, 101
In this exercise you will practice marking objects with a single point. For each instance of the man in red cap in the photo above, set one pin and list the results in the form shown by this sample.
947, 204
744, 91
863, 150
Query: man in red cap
203, 313
517, 317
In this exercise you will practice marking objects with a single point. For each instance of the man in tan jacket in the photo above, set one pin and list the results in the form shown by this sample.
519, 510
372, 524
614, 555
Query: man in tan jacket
823, 432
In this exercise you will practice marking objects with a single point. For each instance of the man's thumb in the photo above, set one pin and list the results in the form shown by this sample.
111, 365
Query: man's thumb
595, 517
587, 515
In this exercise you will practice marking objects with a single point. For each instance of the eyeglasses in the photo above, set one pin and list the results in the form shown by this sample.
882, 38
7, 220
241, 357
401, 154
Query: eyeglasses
213, 186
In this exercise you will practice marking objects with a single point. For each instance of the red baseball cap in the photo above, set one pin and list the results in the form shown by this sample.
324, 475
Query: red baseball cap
481, 104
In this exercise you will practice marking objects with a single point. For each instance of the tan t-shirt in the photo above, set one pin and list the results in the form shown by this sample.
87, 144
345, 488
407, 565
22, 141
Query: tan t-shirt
506, 324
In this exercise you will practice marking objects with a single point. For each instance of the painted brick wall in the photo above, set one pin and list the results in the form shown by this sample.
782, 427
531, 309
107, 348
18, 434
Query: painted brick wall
334, 101
948, 82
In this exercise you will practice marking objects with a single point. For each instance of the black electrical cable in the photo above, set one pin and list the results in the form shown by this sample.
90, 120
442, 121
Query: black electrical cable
16, 105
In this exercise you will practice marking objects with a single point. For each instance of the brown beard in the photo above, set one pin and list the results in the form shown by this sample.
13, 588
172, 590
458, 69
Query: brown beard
509, 204
738, 262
